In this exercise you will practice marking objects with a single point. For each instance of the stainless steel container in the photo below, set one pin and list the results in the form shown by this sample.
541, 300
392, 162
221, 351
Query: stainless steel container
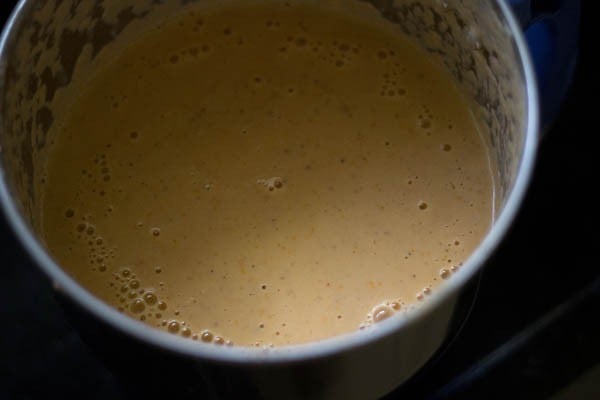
480, 43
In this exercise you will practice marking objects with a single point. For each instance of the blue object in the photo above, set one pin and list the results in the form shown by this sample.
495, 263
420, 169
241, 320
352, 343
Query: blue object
552, 33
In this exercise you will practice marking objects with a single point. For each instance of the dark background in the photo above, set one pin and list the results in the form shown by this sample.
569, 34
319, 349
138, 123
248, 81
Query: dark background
533, 331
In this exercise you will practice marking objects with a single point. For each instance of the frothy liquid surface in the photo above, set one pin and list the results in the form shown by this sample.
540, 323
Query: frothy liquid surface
267, 175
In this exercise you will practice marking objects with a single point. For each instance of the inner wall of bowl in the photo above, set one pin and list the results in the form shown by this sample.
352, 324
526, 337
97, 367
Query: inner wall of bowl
55, 45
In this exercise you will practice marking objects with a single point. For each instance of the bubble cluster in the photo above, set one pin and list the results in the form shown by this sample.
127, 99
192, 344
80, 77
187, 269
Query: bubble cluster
381, 312
391, 86
189, 54
84, 232
272, 24
425, 120
271, 183
145, 304
336, 53
455, 268
426, 291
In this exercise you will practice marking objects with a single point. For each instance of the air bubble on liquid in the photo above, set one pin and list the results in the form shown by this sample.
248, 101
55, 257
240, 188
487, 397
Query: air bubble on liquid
422, 205
162, 305
186, 332
155, 231
69, 213
206, 336
137, 306
150, 298
446, 147
173, 326
444, 273
219, 340
381, 312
